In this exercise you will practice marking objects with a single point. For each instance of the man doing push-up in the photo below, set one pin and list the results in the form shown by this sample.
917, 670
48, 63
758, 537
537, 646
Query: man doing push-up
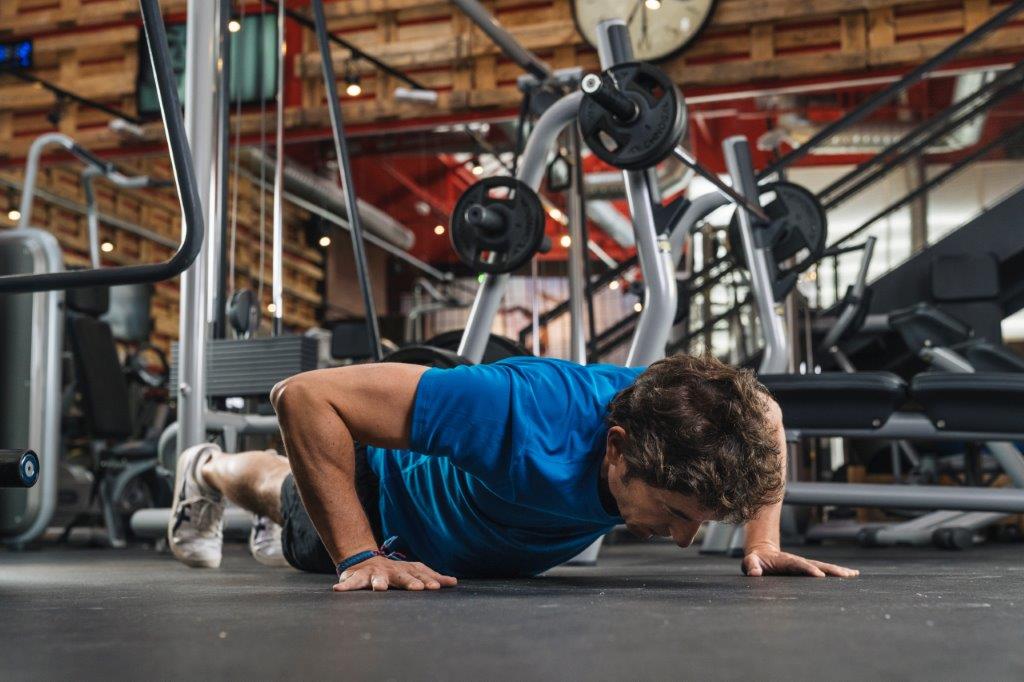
499, 470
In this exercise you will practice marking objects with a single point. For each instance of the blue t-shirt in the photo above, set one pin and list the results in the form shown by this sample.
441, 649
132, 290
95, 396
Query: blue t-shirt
501, 478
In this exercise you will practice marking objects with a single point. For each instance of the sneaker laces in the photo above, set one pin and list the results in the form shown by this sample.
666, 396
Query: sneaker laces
207, 511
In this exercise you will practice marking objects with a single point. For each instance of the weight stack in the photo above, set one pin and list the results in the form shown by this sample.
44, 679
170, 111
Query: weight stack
250, 367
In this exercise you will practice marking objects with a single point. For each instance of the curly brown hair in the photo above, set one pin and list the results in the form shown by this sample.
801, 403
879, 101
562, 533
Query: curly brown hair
697, 426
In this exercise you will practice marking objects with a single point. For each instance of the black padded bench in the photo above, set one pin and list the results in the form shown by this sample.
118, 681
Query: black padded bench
983, 401
837, 400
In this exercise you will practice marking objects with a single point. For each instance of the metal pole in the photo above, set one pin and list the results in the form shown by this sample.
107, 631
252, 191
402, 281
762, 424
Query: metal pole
737, 158
277, 253
1009, 500
479, 15
580, 185
725, 189
200, 68
345, 171
221, 245
577, 255
92, 210
653, 250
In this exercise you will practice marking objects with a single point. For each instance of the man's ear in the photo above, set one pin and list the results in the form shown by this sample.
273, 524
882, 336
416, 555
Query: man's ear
614, 444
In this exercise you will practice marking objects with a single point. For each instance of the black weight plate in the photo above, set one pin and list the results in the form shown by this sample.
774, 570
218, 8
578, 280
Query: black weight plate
509, 247
498, 347
799, 218
428, 356
649, 138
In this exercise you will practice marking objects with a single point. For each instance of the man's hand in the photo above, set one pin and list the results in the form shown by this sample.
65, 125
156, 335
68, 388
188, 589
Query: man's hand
379, 574
768, 560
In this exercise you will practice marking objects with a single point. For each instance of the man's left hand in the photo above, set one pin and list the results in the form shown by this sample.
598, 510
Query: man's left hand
761, 561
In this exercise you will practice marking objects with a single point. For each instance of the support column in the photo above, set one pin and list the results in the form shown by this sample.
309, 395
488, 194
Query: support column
916, 174
200, 100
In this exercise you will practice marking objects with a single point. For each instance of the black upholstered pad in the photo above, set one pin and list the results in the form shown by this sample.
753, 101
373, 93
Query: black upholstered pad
924, 325
100, 379
984, 401
836, 399
985, 356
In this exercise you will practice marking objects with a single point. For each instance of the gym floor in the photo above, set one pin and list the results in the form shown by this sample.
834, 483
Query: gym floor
646, 612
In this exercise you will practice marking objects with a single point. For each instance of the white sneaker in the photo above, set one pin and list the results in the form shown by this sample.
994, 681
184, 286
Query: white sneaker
195, 531
265, 542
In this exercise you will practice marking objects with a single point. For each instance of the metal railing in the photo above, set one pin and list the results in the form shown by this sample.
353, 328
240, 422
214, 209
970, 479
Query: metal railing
192, 225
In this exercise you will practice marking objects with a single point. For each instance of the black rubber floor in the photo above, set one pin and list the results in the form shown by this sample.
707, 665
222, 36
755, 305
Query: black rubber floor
647, 612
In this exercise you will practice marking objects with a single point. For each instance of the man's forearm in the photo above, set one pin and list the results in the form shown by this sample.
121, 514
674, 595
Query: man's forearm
321, 451
763, 530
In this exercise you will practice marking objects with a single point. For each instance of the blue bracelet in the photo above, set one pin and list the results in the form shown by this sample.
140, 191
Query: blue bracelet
384, 551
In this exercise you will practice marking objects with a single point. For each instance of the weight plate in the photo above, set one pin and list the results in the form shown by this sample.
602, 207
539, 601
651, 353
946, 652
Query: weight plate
512, 232
498, 347
647, 139
798, 217
428, 356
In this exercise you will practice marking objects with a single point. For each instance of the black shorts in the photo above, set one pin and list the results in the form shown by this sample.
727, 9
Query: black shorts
300, 543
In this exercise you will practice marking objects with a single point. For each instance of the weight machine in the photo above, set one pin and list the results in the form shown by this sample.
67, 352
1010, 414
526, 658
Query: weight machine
31, 299
957, 407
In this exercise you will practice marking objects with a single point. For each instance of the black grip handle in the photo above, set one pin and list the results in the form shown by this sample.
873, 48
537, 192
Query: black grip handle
602, 89
485, 218
91, 159
192, 225
18, 468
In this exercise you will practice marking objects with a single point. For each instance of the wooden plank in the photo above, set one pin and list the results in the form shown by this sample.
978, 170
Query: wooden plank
975, 13
853, 32
881, 28
761, 42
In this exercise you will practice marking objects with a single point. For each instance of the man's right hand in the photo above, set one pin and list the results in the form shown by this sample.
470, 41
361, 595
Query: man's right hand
379, 574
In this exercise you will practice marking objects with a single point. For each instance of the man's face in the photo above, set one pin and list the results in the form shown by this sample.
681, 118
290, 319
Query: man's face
649, 511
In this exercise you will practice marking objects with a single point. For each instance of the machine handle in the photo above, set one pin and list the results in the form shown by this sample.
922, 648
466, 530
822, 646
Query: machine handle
192, 227
849, 312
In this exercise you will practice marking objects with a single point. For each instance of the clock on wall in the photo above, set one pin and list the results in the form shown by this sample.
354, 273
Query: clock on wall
658, 28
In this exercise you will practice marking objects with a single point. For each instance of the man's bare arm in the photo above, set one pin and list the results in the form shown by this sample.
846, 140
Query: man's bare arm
763, 530
762, 550
321, 414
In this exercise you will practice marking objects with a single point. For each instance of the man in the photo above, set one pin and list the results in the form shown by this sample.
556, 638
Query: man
501, 470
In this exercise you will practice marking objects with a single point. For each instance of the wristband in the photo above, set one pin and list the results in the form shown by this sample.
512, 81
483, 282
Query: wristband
384, 551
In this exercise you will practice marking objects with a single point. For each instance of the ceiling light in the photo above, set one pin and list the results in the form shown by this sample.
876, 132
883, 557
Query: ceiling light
353, 89
107, 247
478, 170
638, 306
271, 308
14, 214
613, 285
439, 230
565, 241
234, 26
653, 4
325, 241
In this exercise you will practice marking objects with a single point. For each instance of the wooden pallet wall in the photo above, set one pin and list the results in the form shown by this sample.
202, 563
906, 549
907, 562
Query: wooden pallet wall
90, 46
